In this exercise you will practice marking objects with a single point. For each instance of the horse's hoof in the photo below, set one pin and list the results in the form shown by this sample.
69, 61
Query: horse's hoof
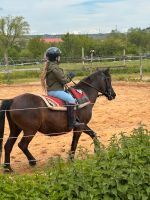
71, 158
8, 170
32, 163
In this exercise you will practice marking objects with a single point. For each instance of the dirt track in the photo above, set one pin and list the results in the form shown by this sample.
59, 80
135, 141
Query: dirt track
131, 106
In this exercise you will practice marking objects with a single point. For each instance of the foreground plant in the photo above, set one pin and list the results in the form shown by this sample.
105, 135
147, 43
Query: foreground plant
120, 171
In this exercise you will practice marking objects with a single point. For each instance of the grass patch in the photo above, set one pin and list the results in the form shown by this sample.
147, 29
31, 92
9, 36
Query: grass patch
129, 73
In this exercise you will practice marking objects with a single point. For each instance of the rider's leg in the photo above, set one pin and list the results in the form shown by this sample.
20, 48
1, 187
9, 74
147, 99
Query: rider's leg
62, 95
72, 119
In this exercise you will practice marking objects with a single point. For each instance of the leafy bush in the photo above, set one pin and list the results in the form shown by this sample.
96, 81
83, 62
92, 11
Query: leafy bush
120, 171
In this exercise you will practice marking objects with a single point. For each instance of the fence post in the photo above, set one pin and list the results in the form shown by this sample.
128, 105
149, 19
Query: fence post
141, 68
124, 54
7, 71
82, 56
92, 52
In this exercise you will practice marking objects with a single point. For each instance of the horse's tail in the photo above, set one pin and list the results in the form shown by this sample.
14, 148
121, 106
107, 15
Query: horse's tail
4, 106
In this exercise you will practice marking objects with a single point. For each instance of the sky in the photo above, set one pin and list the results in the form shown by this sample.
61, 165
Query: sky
79, 16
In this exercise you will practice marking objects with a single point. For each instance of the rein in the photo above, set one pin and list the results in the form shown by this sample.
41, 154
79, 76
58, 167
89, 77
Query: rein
99, 93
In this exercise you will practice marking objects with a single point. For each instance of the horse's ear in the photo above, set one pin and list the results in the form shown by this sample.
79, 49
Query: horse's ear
107, 70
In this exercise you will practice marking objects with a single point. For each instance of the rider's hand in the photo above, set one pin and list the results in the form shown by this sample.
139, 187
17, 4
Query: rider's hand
71, 75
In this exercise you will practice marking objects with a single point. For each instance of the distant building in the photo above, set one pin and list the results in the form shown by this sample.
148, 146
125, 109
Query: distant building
52, 40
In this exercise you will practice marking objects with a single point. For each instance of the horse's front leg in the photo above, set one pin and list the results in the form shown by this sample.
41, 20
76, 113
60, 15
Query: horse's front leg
93, 135
75, 139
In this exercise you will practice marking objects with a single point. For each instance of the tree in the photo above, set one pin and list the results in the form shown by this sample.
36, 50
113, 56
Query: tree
12, 30
36, 47
72, 45
139, 38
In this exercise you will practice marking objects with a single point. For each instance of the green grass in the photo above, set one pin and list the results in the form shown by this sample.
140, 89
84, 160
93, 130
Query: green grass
131, 77
21, 67
20, 76
129, 73
120, 171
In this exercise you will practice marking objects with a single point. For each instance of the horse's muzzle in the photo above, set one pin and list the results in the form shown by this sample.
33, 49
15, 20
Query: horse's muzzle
110, 95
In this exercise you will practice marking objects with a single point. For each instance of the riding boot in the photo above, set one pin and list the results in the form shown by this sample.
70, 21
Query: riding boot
73, 122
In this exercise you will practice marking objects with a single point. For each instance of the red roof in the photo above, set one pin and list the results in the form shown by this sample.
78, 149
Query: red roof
48, 40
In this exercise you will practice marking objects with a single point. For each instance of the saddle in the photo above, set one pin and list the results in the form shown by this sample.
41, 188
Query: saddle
54, 103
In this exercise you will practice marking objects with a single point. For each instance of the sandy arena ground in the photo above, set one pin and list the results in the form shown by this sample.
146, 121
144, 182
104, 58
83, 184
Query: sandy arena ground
130, 108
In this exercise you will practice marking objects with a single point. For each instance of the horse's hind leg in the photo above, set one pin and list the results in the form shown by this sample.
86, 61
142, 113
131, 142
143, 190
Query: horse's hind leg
23, 145
75, 139
14, 132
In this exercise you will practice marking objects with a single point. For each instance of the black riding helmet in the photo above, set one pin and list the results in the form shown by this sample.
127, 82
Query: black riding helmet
52, 53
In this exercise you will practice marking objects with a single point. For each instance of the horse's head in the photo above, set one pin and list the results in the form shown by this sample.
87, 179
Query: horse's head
104, 82
100, 81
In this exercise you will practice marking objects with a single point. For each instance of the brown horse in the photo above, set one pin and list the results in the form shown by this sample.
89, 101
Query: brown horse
28, 113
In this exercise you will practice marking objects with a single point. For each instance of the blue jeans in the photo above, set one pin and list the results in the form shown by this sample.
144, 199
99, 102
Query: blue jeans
62, 95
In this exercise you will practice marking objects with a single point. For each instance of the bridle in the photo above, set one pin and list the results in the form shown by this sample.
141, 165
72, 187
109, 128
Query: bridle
99, 92
106, 93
